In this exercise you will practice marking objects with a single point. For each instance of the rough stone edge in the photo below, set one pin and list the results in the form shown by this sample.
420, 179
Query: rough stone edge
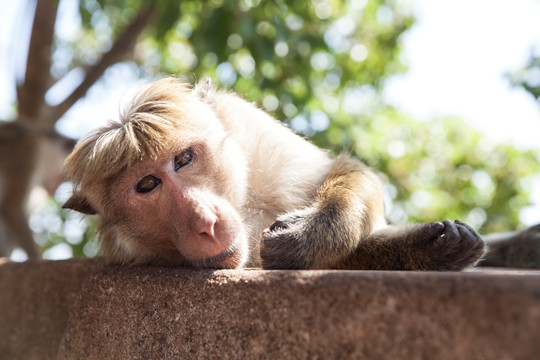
35, 298
240, 314
63, 307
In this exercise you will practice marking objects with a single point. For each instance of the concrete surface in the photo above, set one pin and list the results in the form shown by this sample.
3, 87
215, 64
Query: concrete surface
82, 309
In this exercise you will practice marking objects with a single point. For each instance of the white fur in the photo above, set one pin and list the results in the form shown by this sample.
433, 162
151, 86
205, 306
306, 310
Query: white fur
279, 179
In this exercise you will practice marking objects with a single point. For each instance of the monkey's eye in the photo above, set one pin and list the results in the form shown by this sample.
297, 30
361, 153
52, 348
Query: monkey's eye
147, 184
183, 159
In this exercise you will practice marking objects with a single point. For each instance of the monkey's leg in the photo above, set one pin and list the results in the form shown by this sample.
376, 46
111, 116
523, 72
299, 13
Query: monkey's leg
434, 246
518, 249
347, 208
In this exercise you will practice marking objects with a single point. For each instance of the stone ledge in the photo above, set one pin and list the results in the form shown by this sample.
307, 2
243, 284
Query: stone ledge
82, 309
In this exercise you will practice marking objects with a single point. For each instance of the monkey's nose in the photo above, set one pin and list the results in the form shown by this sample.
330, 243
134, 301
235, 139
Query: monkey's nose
208, 231
205, 227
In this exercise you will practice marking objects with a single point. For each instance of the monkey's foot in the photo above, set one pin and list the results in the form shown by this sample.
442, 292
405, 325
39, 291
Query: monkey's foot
447, 246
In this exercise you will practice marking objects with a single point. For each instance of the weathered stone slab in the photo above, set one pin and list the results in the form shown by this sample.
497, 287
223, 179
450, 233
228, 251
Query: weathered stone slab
35, 298
171, 313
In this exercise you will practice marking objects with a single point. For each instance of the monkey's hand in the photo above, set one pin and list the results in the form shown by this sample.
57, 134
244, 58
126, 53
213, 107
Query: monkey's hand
445, 246
294, 241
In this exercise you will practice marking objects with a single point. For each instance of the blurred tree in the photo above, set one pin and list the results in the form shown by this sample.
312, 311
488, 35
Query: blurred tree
445, 169
319, 64
30, 141
529, 77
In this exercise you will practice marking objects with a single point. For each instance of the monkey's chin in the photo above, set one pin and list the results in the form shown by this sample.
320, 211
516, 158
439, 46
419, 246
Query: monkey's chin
233, 257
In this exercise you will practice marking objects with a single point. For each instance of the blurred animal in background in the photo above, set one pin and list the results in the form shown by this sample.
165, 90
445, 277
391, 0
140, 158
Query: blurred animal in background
34, 158
520, 249
200, 177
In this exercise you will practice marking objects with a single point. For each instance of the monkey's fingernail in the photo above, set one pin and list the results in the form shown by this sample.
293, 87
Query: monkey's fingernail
278, 225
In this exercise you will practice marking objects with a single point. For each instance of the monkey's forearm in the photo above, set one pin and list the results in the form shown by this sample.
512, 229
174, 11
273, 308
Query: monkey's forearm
347, 208
350, 205
435, 246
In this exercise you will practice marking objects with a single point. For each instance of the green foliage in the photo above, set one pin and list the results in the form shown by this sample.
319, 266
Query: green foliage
445, 169
320, 65
55, 226
291, 55
529, 77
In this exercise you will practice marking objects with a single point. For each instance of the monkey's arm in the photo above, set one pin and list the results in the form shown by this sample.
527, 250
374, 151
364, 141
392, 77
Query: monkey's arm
348, 206
438, 246
345, 228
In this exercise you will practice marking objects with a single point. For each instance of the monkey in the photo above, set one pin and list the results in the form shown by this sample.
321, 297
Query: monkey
196, 176
31, 157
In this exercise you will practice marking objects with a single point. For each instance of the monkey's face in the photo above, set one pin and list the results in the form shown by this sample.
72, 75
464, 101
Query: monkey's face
186, 202
167, 183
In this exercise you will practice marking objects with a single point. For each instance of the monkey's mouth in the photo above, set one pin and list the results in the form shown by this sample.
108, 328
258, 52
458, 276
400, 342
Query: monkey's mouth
227, 259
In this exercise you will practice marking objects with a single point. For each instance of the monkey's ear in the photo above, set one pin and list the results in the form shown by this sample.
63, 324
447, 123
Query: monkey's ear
79, 203
206, 91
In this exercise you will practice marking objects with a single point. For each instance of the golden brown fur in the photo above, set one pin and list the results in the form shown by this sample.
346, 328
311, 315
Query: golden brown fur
106, 162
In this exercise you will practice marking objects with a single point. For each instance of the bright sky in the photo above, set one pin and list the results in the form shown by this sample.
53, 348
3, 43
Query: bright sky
459, 52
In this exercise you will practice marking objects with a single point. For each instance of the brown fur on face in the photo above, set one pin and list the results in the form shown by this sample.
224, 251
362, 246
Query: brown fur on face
144, 131
162, 121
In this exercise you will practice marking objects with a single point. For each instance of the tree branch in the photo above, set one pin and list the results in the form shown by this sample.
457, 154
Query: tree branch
123, 44
31, 94
22, 124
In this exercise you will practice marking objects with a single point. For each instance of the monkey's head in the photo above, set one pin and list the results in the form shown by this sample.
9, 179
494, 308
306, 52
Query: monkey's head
166, 182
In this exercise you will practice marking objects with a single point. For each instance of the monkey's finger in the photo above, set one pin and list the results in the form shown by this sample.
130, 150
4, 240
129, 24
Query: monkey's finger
468, 227
450, 229
436, 228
